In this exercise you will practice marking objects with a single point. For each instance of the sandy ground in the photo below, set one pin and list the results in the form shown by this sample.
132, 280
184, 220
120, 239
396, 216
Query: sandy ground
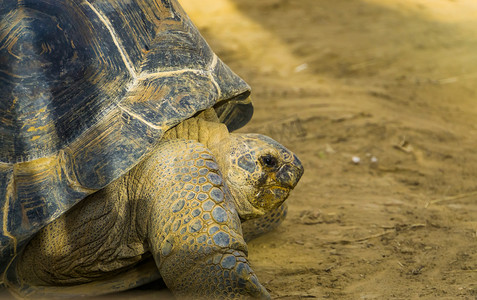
391, 83
377, 98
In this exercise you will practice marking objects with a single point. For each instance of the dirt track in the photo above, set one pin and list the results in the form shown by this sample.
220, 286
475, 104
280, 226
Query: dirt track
391, 82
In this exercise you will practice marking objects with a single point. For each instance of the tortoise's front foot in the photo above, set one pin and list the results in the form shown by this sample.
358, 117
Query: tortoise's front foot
219, 276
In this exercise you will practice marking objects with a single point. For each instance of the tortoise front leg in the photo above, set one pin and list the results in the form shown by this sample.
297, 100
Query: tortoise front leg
192, 227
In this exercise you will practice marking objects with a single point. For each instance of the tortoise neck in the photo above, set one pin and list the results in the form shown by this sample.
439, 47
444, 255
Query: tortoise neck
214, 135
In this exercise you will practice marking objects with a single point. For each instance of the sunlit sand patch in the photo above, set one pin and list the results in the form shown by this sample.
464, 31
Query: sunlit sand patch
240, 34
445, 11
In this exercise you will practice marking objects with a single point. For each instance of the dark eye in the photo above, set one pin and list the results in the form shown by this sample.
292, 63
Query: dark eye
269, 161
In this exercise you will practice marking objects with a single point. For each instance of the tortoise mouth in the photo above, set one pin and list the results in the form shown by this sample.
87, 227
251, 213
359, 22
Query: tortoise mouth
270, 197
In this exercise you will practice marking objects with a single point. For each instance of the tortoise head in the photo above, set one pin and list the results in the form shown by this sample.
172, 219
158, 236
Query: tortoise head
261, 173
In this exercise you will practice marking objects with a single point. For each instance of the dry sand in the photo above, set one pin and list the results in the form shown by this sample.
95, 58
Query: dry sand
391, 83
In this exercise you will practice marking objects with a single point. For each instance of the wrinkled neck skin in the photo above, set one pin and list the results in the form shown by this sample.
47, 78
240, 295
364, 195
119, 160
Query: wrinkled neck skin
214, 135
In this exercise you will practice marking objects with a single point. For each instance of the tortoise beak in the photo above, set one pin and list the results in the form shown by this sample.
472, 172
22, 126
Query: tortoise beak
289, 174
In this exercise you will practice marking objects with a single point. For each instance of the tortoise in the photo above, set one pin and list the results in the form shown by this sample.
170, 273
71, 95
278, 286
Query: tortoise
117, 161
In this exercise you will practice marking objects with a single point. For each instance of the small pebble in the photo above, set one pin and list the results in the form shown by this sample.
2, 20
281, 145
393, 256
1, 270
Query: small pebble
301, 67
356, 160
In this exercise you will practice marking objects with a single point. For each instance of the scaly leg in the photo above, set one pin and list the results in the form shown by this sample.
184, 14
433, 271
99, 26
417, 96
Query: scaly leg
193, 229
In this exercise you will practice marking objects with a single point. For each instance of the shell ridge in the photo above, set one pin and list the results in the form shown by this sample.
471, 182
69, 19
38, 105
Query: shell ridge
146, 75
9, 196
140, 118
112, 32
213, 63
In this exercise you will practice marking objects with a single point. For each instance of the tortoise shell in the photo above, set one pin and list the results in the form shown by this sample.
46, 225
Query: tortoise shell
87, 89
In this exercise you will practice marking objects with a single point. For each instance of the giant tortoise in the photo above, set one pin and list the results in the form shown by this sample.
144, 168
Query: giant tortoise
117, 165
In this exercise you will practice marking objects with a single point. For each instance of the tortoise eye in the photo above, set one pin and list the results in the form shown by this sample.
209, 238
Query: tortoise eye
269, 161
